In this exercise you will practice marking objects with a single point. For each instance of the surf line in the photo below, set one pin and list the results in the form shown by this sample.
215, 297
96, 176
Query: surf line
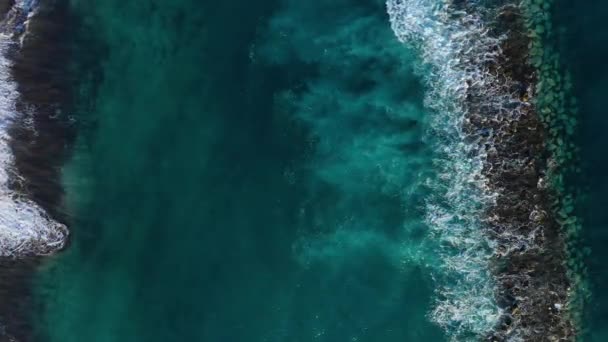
503, 238
26, 229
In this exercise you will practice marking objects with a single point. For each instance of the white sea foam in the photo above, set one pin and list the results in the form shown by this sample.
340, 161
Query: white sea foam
456, 46
25, 228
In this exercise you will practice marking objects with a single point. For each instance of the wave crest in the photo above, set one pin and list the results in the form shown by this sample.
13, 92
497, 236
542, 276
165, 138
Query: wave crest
457, 49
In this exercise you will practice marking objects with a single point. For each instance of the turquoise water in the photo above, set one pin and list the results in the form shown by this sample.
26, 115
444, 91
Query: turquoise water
289, 170
244, 172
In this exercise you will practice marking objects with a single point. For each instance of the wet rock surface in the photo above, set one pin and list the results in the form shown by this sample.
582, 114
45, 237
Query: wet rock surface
529, 262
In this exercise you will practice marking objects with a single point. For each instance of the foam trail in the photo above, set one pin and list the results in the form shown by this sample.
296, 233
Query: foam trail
466, 305
449, 41
25, 228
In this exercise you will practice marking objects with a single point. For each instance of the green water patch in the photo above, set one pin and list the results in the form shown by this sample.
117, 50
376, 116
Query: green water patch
244, 173
582, 33
363, 221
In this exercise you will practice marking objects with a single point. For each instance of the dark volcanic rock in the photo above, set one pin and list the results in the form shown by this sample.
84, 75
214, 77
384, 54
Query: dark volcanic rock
529, 265
41, 137
40, 140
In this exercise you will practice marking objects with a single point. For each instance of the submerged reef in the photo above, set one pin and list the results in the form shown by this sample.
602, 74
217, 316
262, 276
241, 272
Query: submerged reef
498, 82
557, 108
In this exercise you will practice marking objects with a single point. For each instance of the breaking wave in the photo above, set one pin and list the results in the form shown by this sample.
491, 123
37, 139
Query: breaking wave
456, 48
25, 227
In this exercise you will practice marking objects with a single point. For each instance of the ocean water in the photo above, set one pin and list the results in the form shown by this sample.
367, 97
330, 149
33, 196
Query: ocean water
244, 172
291, 170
